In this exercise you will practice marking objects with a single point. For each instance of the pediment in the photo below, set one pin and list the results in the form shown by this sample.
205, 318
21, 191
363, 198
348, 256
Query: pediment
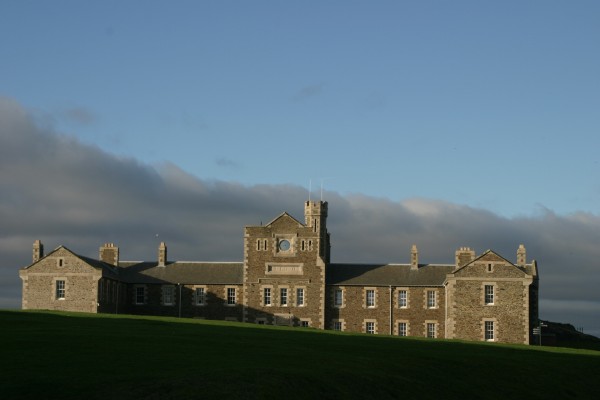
285, 220
490, 264
62, 259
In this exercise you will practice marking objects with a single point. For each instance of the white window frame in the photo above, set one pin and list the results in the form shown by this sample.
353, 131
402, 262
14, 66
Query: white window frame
402, 298
402, 328
338, 301
283, 297
431, 329
230, 295
200, 296
136, 295
60, 291
370, 326
489, 330
300, 297
305, 323
489, 294
431, 299
168, 295
267, 296
370, 298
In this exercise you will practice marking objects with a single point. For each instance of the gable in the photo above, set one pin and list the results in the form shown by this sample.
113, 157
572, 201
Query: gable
285, 222
60, 261
490, 264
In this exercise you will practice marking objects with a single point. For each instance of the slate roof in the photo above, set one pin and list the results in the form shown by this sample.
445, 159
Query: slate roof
108, 269
387, 274
183, 272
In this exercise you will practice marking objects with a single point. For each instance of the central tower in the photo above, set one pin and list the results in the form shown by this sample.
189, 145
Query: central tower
284, 269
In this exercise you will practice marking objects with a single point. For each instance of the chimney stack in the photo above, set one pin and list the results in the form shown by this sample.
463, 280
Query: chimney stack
162, 254
521, 256
464, 255
38, 251
109, 253
414, 258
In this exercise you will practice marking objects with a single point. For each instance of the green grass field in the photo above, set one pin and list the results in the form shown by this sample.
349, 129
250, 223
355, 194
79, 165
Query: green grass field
86, 356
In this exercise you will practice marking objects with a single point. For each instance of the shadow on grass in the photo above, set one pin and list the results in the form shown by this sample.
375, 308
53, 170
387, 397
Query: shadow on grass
72, 355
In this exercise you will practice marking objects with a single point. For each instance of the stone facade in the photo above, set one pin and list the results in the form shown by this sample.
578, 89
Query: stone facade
286, 278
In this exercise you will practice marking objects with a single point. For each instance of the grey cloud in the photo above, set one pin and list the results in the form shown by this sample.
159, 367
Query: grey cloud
61, 191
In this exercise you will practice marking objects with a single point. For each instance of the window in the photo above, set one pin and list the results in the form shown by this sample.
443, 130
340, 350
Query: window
168, 293
304, 323
402, 329
431, 330
402, 299
337, 325
431, 299
489, 268
370, 327
60, 262
300, 297
370, 298
60, 290
200, 296
267, 296
489, 294
338, 298
140, 295
230, 296
283, 297
489, 331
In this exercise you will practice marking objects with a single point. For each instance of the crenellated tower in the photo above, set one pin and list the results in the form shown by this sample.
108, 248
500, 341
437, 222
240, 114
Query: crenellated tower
315, 217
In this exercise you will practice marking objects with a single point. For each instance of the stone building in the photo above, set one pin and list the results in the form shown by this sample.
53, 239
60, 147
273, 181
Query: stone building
287, 278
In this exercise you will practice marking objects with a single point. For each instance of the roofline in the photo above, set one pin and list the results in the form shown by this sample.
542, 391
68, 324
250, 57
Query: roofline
383, 285
281, 215
182, 262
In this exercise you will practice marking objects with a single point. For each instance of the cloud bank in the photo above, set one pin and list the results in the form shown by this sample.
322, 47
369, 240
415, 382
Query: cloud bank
54, 188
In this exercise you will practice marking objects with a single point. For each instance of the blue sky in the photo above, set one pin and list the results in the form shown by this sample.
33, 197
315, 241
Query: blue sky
493, 105
439, 123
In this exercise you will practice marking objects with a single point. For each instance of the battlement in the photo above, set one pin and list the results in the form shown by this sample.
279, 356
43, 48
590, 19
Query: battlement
316, 208
315, 213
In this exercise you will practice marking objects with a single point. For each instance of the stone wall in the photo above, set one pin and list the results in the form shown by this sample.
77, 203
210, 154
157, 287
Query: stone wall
213, 306
509, 311
354, 312
80, 283
266, 266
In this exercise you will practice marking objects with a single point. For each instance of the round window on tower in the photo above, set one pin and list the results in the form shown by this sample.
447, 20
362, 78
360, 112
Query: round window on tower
284, 245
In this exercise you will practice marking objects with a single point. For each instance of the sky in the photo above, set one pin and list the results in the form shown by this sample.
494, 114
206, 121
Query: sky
444, 124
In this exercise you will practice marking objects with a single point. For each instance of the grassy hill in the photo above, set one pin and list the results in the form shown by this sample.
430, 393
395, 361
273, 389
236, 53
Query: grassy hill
565, 335
83, 356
